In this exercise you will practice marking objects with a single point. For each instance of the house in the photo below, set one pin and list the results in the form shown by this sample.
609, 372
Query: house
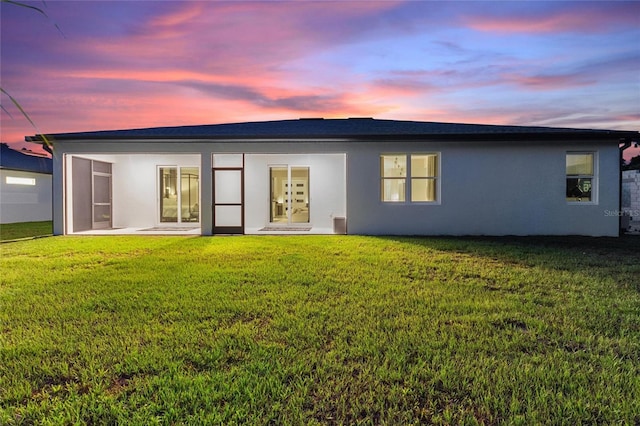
25, 186
356, 175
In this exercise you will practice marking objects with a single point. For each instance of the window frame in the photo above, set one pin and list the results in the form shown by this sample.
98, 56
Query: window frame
160, 191
593, 177
408, 178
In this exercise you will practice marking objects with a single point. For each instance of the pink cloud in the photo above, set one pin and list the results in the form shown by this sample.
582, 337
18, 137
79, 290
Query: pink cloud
402, 86
180, 63
578, 17
240, 37
549, 82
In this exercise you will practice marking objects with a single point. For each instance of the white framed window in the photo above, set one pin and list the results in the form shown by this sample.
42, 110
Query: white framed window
409, 177
581, 177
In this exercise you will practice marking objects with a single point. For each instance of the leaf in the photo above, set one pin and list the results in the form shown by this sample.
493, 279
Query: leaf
37, 9
5, 110
17, 3
24, 113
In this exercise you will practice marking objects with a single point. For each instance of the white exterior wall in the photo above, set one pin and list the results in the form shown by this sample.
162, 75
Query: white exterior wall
510, 188
25, 203
327, 189
134, 185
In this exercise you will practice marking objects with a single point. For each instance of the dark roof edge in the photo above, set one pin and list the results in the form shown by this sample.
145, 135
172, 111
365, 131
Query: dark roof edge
18, 169
594, 135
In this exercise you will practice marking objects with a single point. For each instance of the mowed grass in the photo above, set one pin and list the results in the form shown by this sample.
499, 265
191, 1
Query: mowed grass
319, 330
14, 231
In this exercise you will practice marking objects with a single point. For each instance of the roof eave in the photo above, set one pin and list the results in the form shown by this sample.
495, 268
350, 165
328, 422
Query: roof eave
485, 137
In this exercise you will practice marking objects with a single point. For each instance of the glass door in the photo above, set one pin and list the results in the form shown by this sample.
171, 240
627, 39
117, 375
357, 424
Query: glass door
179, 194
289, 194
228, 193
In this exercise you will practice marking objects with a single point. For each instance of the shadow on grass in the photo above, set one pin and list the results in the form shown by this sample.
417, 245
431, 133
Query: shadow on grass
22, 230
605, 257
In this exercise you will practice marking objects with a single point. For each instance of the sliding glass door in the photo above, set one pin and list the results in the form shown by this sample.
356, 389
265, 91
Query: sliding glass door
179, 194
289, 194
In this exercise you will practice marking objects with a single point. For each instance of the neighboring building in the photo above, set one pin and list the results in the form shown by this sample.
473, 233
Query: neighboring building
25, 186
631, 198
359, 175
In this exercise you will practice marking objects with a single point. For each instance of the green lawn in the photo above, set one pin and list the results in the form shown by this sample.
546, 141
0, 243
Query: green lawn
319, 330
14, 231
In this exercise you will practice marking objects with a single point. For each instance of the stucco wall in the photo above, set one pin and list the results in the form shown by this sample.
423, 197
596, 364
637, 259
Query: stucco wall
515, 188
25, 203
135, 186
326, 186
488, 189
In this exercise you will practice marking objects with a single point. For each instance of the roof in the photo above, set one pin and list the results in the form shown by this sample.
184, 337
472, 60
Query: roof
350, 128
16, 160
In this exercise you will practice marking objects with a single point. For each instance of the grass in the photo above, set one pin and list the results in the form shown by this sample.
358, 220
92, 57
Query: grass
14, 231
319, 330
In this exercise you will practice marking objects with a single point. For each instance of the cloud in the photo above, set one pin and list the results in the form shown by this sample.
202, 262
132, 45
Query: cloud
550, 82
402, 86
141, 64
603, 69
561, 17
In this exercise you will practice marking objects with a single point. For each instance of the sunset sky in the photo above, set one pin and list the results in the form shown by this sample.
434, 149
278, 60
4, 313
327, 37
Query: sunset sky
131, 64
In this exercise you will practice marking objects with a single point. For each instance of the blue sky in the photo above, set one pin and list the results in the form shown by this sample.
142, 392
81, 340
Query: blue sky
159, 63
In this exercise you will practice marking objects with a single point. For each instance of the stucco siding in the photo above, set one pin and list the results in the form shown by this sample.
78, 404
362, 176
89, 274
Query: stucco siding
488, 189
506, 188
25, 203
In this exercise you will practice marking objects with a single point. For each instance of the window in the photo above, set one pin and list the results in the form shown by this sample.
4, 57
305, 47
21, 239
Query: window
12, 180
580, 176
179, 194
421, 171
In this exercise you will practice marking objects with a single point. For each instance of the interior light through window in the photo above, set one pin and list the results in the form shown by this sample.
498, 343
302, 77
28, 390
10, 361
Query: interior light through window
12, 180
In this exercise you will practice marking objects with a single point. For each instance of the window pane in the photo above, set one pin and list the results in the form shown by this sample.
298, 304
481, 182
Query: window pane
227, 160
393, 165
228, 215
578, 189
228, 186
423, 189
101, 189
168, 194
393, 190
424, 165
101, 167
189, 194
300, 195
580, 164
11, 180
279, 194
101, 213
